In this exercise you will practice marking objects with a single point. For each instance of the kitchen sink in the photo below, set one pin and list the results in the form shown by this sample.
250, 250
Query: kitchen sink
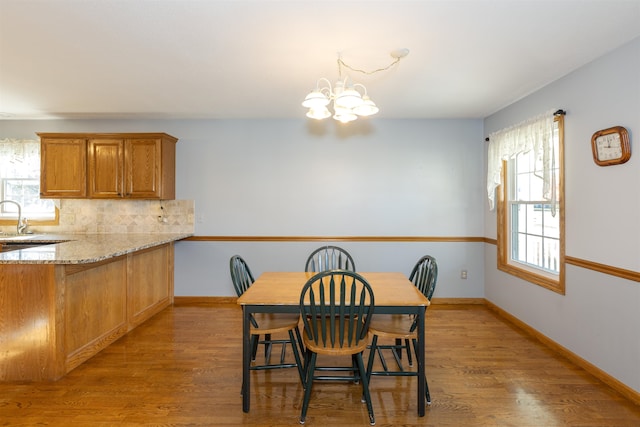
14, 246
13, 236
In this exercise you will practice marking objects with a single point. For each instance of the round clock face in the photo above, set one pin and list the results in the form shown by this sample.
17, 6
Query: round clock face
609, 147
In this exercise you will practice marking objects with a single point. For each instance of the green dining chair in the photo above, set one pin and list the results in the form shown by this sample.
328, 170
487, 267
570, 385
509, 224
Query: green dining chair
402, 328
336, 307
268, 324
329, 258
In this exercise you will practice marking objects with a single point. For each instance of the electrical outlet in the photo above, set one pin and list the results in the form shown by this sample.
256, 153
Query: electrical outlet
463, 274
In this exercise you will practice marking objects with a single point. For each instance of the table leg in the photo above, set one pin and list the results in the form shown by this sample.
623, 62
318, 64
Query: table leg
421, 363
246, 358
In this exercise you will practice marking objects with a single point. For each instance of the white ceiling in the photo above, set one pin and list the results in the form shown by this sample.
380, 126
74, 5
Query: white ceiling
259, 58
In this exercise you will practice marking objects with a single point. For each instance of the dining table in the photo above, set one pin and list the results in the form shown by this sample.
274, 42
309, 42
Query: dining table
279, 292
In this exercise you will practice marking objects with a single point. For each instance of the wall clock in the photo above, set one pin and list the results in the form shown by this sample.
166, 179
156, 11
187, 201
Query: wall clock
611, 146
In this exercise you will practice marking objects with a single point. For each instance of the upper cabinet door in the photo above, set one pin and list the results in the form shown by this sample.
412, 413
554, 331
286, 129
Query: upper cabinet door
106, 168
150, 168
63, 168
143, 159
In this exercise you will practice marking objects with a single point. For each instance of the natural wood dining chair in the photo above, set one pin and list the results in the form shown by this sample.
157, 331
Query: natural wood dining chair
402, 328
329, 258
267, 324
336, 308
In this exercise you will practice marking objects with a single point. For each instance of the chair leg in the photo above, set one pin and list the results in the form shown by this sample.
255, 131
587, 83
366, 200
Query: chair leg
397, 352
306, 356
398, 348
357, 358
300, 342
296, 355
408, 348
426, 391
372, 355
382, 359
267, 348
310, 367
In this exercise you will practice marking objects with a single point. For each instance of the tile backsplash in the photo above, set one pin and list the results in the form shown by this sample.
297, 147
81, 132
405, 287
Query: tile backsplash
121, 216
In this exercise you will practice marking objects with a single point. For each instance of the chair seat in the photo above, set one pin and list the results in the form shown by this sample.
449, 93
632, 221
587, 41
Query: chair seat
392, 325
336, 350
271, 323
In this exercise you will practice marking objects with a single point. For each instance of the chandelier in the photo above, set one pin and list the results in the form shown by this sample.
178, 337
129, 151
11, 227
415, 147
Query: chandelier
350, 100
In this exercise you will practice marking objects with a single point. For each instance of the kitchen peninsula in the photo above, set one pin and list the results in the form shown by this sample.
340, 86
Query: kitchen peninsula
66, 300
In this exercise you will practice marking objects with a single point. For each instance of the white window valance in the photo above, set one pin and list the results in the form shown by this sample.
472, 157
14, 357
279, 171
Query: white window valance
19, 158
533, 134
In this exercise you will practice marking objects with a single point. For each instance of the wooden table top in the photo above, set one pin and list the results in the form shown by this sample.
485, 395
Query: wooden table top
283, 288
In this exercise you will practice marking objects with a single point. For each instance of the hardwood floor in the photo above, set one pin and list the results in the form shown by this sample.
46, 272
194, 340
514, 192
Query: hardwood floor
183, 368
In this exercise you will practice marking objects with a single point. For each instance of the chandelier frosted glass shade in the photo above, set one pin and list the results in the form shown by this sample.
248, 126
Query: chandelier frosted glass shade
348, 102
316, 99
348, 98
366, 108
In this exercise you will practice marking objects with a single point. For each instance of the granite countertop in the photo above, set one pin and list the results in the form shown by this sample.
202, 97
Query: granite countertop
80, 248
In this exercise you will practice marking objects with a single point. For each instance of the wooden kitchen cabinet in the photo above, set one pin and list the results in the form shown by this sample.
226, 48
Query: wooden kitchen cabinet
94, 311
54, 317
106, 169
63, 167
150, 283
126, 165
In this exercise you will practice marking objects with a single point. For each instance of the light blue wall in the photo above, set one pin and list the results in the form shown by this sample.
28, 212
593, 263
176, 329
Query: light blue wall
287, 178
599, 316
279, 177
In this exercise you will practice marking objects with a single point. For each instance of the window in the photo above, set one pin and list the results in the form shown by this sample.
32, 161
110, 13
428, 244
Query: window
20, 182
530, 211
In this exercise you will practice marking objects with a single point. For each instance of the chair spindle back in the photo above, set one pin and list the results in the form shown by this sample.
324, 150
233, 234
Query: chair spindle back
336, 308
240, 274
329, 258
425, 275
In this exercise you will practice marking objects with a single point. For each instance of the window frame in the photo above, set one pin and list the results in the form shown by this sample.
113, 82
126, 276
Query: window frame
548, 280
10, 219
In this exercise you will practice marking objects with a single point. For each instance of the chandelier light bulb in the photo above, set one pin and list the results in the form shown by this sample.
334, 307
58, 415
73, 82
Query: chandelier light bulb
319, 113
343, 114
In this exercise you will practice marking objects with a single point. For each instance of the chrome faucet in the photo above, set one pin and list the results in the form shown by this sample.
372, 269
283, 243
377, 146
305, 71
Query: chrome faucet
20, 227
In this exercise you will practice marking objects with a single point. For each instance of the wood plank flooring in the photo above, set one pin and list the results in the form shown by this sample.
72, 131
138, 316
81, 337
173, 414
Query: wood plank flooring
183, 368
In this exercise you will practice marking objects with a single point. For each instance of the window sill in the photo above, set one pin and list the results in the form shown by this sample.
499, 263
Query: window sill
537, 279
